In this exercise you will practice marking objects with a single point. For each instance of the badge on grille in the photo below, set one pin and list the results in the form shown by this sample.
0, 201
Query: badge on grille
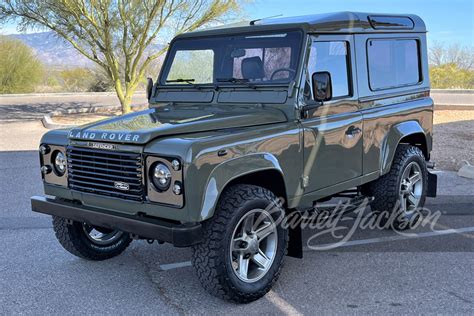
102, 146
121, 186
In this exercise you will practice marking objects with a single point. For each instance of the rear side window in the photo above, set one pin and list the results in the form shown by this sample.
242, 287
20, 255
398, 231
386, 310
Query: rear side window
393, 63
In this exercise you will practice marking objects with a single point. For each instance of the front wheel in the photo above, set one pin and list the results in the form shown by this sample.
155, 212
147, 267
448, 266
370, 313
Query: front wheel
90, 242
244, 245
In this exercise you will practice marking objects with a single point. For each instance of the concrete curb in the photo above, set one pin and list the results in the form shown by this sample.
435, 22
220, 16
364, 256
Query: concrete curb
65, 94
466, 107
466, 171
453, 91
49, 123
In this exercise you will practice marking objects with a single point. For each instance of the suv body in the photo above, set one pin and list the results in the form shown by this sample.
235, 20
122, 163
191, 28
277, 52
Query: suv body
304, 108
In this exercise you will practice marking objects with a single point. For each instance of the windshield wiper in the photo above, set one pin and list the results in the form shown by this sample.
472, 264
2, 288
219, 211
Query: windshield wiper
190, 81
236, 80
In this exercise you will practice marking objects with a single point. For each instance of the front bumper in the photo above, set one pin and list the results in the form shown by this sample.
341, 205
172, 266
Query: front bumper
180, 235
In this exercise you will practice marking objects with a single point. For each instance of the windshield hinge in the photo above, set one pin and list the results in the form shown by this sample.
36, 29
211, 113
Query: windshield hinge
291, 88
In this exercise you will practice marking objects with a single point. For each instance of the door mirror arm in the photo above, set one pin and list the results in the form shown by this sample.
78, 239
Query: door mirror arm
309, 107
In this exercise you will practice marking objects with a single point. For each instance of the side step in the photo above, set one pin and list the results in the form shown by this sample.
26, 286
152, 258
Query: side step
344, 206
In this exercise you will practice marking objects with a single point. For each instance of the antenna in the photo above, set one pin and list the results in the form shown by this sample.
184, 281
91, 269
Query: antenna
268, 17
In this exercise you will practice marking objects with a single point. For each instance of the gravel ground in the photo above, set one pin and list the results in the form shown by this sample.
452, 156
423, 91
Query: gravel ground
453, 139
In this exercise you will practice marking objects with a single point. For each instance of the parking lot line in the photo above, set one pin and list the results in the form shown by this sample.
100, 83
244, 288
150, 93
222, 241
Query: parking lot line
285, 307
395, 238
447, 227
176, 265
461, 231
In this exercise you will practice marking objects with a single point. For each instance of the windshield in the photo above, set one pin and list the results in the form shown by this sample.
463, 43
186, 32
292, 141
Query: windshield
249, 60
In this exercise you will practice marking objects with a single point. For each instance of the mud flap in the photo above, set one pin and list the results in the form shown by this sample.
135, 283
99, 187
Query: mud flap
295, 243
432, 185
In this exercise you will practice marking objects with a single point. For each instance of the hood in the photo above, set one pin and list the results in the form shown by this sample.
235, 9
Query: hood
141, 127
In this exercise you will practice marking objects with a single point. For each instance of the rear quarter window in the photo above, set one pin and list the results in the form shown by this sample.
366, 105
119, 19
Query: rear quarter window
393, 63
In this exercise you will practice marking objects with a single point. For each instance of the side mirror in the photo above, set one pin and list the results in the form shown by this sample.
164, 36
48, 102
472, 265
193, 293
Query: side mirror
322, 87
149, 88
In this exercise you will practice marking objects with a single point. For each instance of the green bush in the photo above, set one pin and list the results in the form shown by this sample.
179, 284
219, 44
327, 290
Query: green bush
76, 79
450, 76
20, 70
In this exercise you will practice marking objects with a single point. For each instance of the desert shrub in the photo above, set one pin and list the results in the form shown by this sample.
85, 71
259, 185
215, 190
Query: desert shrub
76, 79
450, 76
101, 82
20, 70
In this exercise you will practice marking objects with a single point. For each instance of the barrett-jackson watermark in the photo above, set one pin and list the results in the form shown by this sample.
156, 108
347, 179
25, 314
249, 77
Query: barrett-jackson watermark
341, 221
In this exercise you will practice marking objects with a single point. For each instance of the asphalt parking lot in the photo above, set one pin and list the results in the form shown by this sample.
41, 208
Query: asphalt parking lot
376, 272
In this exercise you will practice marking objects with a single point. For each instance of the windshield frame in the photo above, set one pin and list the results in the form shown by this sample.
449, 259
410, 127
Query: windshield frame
168, 61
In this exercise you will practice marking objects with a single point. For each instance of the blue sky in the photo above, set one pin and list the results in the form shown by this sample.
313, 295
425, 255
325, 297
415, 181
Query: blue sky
448, 21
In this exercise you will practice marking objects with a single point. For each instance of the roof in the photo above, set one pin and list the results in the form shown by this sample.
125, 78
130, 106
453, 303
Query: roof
337, 22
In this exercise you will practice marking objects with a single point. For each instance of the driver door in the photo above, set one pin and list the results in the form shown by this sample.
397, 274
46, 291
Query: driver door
333, 130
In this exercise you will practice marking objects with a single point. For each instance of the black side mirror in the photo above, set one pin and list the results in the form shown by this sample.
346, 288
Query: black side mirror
149, 88
322, 87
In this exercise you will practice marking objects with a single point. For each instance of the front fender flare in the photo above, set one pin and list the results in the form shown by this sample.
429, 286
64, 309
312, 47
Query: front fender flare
230, 170
393, 138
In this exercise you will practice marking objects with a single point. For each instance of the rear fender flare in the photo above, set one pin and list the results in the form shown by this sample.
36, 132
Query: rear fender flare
392, 140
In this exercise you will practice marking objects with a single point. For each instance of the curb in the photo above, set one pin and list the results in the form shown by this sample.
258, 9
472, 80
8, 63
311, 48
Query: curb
66, 94
452, 91
48, 122
449, 106
466, 171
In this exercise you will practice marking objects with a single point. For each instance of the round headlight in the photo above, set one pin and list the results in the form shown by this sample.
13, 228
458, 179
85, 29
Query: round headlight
60, 163
161, 177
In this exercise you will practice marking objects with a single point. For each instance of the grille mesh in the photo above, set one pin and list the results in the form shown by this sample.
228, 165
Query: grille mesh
98, 171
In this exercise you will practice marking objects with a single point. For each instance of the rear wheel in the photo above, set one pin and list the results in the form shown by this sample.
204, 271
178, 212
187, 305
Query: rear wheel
244, 247
400, 194
90, 242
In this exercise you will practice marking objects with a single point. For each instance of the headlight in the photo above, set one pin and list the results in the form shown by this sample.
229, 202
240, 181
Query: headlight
161, 177
59, 162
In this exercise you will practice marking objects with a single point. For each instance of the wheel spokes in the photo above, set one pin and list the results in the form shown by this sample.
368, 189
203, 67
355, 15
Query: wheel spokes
243, 266
403, 203
239, 244
415, 178
413, 199
247, 226
250, 257
261, 259
264, 231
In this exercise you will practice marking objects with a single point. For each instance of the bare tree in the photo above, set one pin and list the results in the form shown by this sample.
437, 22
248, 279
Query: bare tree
462, 57
117, 34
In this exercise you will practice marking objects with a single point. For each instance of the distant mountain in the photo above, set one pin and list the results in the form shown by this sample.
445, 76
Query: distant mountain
56, 52
53, 51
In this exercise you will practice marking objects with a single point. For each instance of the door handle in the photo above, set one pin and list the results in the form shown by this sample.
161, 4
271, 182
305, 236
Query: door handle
353, 131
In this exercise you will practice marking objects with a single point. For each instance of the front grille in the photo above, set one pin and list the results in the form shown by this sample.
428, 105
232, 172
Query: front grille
101, 171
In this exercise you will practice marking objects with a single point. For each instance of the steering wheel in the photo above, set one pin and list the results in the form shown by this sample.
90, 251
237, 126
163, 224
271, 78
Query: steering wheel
280, 70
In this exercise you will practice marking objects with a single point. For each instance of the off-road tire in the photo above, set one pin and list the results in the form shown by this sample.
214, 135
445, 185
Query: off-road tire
73, 238
385, 190
210, 258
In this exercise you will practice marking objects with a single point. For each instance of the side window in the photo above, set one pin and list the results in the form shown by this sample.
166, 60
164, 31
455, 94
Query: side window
393, 63
332, 57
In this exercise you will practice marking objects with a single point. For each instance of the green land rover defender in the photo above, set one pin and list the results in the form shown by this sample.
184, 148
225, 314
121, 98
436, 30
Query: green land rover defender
246, 123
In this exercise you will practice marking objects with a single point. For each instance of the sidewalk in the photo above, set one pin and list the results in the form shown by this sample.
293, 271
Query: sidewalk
33, 107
